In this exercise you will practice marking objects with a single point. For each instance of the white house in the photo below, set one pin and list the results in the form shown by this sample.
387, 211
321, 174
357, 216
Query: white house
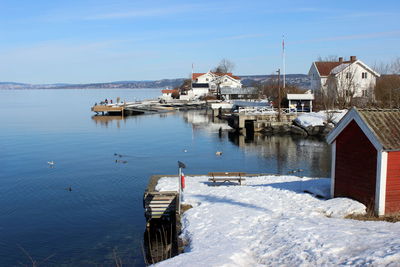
301, 102
351, 77
167, 94
204, 83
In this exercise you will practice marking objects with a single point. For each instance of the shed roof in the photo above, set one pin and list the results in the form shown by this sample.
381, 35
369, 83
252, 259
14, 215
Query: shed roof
381, 126
300, 96
385, 124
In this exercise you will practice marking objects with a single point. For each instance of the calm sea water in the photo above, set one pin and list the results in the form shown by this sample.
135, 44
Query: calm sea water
102, 215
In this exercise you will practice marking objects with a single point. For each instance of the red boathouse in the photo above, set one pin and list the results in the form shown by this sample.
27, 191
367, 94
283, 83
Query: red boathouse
366, 158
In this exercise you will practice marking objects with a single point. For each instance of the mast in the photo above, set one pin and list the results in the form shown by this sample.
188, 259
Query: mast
283, 61
192, 72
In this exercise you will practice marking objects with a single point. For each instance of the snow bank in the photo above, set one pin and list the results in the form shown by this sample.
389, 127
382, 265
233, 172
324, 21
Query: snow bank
270, 221
319, 118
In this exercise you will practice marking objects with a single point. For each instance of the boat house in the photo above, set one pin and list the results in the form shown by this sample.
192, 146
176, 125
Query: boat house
366, 159
300, 102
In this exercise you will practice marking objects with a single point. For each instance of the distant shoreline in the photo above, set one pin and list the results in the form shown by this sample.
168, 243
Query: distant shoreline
300, 80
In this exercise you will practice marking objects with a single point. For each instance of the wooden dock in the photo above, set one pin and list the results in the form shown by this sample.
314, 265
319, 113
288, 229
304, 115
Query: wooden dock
160, 204
108, 109
145, 107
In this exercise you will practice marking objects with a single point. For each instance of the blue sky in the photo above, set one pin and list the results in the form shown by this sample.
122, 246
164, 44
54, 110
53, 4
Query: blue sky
98, 41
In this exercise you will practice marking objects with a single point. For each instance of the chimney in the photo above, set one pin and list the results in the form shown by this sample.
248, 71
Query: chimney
353, 58
340, 60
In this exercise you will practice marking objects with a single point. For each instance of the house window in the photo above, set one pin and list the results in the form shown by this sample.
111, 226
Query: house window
364, 93
364, 75
348, 75
226, 80
207, 80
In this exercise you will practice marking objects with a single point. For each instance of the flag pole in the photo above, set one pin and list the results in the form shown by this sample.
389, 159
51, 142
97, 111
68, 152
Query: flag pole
283, 61
192, 71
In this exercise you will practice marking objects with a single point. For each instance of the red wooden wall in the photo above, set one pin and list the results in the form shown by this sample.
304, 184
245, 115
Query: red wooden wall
393, 183
355, 170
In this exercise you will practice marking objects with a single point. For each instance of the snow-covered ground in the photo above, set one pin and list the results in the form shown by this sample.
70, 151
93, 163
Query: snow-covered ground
269, 220
319, 118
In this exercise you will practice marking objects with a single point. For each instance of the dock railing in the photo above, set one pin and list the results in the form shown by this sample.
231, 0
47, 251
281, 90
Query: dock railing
266, 110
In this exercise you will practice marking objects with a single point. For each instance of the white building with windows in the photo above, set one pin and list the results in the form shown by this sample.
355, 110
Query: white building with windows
205, 83
351, 77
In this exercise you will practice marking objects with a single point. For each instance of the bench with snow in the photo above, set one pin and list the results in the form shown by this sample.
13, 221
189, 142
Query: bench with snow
222, 177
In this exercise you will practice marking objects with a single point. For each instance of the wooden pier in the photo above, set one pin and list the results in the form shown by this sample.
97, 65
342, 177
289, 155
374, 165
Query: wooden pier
107, 109
159, 204
146, 107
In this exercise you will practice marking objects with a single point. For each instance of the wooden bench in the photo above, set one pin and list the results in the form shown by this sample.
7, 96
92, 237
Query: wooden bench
223, 177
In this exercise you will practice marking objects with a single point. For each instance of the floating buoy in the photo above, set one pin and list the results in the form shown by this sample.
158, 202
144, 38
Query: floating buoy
218, 153
185, 150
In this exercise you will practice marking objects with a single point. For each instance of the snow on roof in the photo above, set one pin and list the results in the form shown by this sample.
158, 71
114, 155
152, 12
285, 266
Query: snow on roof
324, 67
229, 74
270, 221
300, 96
339, 68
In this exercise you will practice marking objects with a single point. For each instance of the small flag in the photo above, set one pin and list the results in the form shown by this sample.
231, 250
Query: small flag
182, 181
283, 43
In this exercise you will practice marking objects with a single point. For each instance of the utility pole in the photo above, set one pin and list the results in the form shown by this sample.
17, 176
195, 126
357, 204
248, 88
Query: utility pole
283, 61
279, 95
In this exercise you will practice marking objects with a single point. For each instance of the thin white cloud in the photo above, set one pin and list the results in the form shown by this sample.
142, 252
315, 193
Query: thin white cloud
243, 36
352, 37
358, 15
140, 13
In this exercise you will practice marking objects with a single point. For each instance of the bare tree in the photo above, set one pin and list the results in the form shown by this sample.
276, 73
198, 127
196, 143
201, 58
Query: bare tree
341, 86
395, 66
382, 67
224, 66
387, 91
329, 58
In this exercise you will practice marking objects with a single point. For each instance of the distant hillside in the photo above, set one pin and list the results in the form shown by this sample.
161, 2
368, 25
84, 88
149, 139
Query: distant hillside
300, 80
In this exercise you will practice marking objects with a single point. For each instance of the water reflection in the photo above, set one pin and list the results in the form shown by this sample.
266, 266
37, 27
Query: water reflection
202, 120
283, 153
288, 153
108, 120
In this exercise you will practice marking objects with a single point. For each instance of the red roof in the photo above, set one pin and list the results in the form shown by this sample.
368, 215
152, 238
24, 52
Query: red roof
168, 91
325, 67
196, 75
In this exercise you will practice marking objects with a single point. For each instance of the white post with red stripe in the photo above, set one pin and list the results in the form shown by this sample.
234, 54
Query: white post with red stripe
181, 182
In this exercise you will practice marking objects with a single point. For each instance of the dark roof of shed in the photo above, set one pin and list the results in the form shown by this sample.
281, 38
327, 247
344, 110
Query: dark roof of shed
385, 124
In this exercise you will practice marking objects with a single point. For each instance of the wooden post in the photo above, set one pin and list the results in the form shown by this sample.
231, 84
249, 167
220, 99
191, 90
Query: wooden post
181, 165
279, 95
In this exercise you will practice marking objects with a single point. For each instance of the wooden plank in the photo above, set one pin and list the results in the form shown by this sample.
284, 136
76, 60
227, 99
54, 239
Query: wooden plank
226, 179
226, 173
159, 204
102, 108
